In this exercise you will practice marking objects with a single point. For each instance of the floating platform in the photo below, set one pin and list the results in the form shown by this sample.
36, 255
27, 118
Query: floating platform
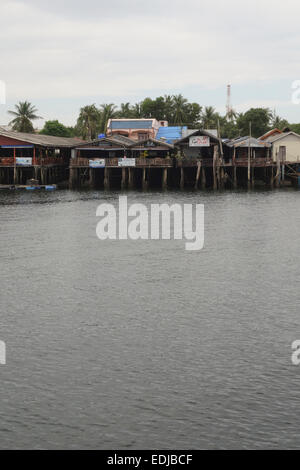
16, 187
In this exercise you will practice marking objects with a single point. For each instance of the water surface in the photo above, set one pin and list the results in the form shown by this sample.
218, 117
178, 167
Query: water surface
142, 344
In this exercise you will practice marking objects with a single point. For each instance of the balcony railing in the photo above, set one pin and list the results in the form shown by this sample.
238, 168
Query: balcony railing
9, 161
114, 162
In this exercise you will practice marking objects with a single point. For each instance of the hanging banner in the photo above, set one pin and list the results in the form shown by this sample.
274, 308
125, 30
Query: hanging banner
200, 141
99, 163
126, 162
20, 161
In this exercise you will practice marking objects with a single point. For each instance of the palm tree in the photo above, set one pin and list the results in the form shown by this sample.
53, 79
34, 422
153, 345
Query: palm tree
125, 111
25, 113
179, 103
169, 108
107, 111
277, 122
209, 117
88, 121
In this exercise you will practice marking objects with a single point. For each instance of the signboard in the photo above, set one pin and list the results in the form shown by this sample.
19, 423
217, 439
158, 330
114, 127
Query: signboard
99, 163
200, 141
23, 161
126, 162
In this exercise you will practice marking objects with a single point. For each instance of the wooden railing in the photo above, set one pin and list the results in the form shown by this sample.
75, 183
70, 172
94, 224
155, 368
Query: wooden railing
260, 161
192, 162
9, 161
156, 162
114, 162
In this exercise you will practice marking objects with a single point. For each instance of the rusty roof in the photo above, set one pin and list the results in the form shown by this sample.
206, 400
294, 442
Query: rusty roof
41, 139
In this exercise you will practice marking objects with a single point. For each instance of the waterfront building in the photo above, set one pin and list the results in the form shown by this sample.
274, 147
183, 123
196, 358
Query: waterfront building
137, 129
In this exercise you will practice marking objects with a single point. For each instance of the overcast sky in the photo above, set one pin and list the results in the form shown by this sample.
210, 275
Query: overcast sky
63, 54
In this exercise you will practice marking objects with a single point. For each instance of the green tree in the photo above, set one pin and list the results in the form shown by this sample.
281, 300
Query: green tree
107, 111
277, 122
24, 114
260, 119
126, 111
154, 109
294, 128
56, 128
193, 115
180, 109
88, 122
209, 118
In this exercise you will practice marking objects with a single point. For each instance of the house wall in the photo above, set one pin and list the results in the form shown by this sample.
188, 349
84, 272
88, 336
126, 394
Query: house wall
133, 133
292, 144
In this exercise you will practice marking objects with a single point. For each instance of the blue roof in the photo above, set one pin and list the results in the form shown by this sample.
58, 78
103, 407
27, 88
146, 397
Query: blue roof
170, 134
138, 124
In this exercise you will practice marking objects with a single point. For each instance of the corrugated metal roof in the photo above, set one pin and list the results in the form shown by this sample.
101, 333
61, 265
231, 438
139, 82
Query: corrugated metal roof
275, 137
247, 141
40, 139
156, 142
131, 124
170, 134
114, 140
198, 132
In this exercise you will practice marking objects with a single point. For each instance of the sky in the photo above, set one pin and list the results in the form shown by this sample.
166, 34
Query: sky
61, 55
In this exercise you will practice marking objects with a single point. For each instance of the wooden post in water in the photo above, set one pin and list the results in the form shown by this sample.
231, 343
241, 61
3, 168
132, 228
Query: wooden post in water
92, 177
249, 157
234, 169
106, 178
73, 178
271, 177
203, 178
130, 178
215, 183
164, 178
277, 177
15, 166
123, 181
198, 174
145, 182
182, 178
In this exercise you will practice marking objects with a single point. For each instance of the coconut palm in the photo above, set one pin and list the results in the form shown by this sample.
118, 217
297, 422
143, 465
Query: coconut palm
179, 103
24, 113
107, 111
126, 111
88, 121
209, 117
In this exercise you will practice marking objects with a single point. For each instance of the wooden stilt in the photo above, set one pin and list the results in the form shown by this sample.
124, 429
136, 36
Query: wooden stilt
198, 174
215, 183
182, 178
106, 178
164, 178
277, 177
130, 178
203, 178
73, 180
271, 177
123, 181
15, 167
92, 177
145, 182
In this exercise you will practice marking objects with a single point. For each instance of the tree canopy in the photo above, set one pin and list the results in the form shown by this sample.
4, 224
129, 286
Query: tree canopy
24, 114
56, 128
175, 109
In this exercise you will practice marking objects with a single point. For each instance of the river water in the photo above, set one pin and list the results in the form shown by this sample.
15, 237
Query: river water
142, 344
